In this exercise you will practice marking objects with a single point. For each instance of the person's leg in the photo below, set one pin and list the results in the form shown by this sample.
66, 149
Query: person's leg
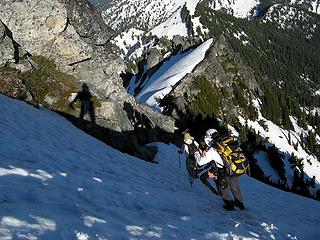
192, 174
204, 179
189, 164
227, 199
224, 190
92, 114
236, 192
84, 108
82, 111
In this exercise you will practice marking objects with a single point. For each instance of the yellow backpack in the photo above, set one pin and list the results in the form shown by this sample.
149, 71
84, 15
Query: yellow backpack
232, 155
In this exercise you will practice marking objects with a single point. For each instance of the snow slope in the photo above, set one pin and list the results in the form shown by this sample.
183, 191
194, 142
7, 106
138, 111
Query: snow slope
171, 27
239, 8
59, 183
280, 139
147, 14
128, 39
292, 17
170, 73
143, 14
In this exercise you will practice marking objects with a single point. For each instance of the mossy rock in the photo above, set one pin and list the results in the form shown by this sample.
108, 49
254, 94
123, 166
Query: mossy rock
11, 84
46, 81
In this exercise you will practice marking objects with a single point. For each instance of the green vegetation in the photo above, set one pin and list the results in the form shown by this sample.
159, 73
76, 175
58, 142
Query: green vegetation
47, 85
296, 162
311, 142
186, 18
276, 162
95, 100
229, 66
300, 185
47, 82
285, 62
207, 102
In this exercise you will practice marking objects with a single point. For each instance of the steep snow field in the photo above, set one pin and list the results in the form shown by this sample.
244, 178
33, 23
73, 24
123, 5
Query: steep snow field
145, 13
58, 183
240, 8
280, 138
171, 27
170, 73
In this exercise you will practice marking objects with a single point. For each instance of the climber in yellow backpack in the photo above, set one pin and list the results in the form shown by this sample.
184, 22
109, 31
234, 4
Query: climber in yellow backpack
229, 148
235, 164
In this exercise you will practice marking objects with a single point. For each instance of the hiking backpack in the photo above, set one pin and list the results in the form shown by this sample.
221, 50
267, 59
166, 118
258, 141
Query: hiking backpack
232, 155
192, 148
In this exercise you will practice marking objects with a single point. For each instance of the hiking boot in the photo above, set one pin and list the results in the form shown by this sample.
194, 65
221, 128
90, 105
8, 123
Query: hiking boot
238, 204
228, 205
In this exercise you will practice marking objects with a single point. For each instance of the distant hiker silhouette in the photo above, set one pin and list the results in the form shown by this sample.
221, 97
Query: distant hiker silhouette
85, 98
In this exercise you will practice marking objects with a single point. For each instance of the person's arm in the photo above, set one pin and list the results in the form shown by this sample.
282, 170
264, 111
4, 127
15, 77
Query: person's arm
201, 159
184, 149
215, 156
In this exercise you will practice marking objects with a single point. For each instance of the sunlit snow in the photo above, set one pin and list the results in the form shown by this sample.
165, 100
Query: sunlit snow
170, 73
96, 192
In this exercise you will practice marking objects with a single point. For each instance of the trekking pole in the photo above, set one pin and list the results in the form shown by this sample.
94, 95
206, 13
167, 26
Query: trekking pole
190, 179
231, 185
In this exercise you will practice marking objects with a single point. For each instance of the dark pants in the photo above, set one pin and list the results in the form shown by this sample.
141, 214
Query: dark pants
233, 186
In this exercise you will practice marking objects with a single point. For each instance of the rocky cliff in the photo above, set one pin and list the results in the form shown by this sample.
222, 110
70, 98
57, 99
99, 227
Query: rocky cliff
74, 37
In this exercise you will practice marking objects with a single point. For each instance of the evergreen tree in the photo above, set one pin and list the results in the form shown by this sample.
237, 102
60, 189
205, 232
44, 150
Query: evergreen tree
311, 142
207, 102
277, 162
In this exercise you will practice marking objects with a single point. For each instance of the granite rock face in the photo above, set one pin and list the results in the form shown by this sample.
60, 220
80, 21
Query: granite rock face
73, 35
70, 33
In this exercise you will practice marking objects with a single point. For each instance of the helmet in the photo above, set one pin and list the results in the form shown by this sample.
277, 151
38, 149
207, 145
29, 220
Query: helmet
210, 132
208, 141
210, 136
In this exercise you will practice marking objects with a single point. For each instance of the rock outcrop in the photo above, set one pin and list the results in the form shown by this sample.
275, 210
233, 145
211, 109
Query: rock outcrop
223, 68
73, 35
